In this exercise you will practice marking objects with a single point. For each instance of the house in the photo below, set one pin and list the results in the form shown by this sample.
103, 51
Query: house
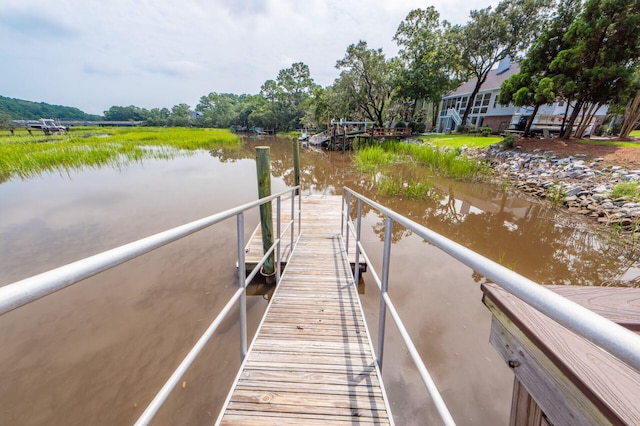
486, 110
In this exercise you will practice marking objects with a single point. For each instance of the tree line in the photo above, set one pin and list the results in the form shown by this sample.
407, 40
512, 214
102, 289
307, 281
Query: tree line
585, 53
18, 109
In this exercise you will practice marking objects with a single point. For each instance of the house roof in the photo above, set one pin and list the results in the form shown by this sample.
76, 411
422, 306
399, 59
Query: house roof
493, 81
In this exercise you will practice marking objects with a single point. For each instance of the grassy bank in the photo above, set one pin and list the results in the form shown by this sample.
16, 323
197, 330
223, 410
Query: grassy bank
448, 162
26, 155
441, 156
460, 141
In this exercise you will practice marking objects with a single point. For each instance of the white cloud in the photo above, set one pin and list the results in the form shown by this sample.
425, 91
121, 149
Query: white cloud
156, 53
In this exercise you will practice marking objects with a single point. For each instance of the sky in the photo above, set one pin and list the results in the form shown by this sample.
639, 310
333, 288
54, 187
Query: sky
158, 53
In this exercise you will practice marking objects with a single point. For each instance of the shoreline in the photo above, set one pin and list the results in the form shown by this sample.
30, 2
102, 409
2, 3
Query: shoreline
580, 184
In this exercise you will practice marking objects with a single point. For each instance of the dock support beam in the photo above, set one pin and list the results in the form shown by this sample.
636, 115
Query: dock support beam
263, 164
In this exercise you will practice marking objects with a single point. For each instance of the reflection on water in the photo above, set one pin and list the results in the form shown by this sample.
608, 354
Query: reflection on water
96, 353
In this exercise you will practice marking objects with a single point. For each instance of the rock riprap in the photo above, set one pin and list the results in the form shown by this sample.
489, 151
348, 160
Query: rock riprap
583, 186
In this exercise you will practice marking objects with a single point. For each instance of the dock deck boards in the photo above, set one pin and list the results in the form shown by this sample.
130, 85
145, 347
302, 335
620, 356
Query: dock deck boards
311, 360
320, 214
571, 379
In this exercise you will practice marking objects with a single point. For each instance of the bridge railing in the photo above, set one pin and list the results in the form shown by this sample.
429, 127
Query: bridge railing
610, 336
20, 293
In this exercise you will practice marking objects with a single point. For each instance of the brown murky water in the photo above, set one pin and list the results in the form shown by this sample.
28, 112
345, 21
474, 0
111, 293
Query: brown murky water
98, 352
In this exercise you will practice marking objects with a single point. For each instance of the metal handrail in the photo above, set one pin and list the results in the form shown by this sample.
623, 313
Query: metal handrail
617, 340
20, 293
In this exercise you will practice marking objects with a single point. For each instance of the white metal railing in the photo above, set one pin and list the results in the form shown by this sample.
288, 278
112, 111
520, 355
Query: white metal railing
20, 293
608, 335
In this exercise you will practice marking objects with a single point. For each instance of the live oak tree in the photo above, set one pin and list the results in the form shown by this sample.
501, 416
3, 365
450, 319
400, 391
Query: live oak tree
219, 109
429, 62
364, 81
494, 34
286, 94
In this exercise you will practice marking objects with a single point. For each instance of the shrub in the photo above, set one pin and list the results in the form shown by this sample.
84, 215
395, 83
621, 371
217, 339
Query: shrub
486, 131
417, 127
509, 141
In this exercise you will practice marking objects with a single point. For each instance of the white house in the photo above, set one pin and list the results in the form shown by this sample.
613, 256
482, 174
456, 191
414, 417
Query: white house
486, 110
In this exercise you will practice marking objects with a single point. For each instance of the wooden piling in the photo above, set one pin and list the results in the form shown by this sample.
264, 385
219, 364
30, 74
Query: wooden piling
296, 164
263, 165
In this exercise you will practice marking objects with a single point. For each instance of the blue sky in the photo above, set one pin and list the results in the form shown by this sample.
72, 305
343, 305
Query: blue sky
158, 53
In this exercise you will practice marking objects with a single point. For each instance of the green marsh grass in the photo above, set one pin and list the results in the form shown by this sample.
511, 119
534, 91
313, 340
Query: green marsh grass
626, 190
25, 155
371, 158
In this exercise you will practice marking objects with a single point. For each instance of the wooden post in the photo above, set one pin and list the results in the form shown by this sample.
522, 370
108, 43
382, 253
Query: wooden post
263, 164
296, 164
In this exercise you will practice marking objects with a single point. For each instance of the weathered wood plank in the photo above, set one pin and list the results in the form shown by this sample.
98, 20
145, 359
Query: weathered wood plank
572, 380
361, 377
311, 360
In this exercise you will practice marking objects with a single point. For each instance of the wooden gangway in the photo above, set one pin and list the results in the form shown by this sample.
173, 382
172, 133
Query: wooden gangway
311, 361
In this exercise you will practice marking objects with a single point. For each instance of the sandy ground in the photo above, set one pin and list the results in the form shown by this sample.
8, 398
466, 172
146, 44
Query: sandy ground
628, 157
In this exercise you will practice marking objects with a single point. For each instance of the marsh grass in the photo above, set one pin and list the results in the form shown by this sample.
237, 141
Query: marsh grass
556, 194
452, 163
626, 190
25, 155
371, 158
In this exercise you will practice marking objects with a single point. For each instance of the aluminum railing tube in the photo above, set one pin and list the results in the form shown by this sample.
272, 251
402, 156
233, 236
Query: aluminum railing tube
608, 335
30, 289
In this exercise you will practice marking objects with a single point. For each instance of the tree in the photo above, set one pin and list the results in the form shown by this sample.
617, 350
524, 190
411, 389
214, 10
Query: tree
632, 111
128, 113
493, 35
5, 121
218, 109
179, 116
365, 81
598, 67
429, 62
286, 94
534, 85
158, 117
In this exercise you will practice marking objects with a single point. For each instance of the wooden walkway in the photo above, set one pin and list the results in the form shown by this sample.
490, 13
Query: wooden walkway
321, 215
311, 361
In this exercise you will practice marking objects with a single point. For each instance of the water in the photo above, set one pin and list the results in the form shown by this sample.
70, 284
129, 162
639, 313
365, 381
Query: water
96, 353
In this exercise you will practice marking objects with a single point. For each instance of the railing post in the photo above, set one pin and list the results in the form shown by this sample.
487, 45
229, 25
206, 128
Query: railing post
346, 219
299, 212
293, 218
344, 192
358, 226
242, 270
278, 257
384, 285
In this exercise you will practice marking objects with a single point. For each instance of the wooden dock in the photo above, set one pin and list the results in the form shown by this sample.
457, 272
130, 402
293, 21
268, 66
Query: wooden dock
560, 377
320, 214
311, 361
